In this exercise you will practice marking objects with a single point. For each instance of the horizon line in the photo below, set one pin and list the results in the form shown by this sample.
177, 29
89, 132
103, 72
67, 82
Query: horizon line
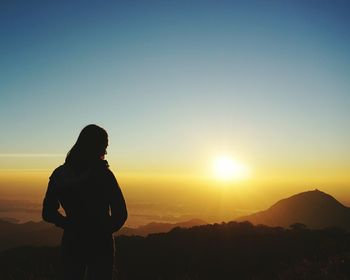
14, 155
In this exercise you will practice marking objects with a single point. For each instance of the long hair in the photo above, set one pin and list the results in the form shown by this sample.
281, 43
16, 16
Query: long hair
89, 148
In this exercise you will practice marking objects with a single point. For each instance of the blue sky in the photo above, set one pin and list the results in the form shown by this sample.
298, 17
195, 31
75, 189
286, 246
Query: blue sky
174, 81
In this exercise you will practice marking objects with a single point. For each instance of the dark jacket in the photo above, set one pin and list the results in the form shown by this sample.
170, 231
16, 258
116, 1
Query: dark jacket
92, 200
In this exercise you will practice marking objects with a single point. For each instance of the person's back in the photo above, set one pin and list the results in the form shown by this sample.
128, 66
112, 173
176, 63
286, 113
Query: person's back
94, 207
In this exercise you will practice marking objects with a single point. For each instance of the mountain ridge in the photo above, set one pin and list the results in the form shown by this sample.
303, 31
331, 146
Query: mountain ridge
157, 227
45, 234
315, 209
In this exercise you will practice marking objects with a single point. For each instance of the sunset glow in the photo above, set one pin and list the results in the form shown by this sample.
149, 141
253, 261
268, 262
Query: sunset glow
226, 168
212, 110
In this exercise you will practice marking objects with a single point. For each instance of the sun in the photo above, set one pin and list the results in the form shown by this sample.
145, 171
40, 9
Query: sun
227, 169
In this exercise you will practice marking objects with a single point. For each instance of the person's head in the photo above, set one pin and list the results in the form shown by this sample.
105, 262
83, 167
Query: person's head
90, 146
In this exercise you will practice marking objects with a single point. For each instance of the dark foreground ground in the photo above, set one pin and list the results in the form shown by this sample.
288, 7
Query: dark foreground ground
220, 251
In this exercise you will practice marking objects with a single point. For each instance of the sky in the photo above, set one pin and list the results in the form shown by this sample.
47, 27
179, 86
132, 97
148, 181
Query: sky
177, 84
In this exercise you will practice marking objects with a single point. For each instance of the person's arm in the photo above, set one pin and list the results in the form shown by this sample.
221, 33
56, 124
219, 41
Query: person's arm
51, 205
117, 204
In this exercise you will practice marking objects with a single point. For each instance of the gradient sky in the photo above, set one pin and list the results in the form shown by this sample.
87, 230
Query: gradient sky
176, 83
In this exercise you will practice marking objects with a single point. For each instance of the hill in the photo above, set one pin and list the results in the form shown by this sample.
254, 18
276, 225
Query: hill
30, 233
315, 209
159, 227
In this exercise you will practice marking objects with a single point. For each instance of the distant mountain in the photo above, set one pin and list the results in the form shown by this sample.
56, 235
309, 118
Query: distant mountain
315, 209
159, 227
44, 234
11, 220
30, 233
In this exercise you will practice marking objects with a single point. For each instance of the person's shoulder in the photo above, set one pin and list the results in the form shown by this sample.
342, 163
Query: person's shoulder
62, 172
57, 171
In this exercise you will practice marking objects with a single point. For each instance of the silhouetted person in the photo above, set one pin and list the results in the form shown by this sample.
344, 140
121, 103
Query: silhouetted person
93, 203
